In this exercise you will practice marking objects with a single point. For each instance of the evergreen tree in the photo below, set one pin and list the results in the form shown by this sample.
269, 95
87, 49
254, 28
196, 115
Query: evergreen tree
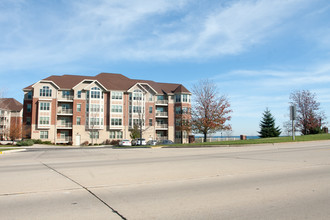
267, 126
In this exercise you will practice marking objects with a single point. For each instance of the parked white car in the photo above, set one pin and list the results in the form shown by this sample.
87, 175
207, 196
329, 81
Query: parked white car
125, 143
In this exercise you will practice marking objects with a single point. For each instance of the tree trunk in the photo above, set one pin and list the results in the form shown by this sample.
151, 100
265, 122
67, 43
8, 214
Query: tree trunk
205, 137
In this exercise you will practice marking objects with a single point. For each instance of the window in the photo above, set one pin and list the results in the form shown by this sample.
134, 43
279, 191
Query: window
116, 108
150, 97
160, 97
95, 108
94, 134
178, 122
46, 91
137, 95
185, 110
116, 121
117, 95
65, 94
112, 134
43, 134
29, 95
44, 106
178, 134
136, 122
29, 107
78, 120
94, 121
44, 120
178, 110
28, 121
119, 134
150, 122
79, 94
150, 109
184, 98
178, 98
78, 107
95, 93
136, 109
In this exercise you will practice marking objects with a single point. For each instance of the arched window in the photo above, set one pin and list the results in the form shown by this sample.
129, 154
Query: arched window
95, 93
46, 91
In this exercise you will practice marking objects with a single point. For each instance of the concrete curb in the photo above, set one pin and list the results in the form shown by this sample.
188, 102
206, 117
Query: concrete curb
12, 151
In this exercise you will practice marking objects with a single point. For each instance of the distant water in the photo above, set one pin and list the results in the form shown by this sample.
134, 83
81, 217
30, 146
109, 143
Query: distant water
237, 137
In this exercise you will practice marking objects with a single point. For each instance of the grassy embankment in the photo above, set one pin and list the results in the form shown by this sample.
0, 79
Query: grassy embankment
315, 137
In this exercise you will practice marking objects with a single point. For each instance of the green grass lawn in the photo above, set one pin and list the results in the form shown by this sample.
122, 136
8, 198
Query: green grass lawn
315, 137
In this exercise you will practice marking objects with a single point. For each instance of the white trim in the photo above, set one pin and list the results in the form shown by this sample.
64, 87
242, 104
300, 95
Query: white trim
88, 86
46, 81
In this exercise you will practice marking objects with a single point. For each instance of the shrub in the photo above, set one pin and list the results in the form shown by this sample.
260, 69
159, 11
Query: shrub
114, 142
25, 143
37, 141
85, 143
107, 142
70, 143
47, 142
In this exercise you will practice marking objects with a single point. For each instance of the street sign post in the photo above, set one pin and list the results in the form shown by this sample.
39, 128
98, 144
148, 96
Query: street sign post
293, 115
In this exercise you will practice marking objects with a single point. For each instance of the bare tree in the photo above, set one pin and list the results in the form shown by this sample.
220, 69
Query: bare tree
309, 116
210, 110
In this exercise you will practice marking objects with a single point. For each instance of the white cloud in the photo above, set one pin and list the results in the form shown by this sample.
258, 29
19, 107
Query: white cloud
143, 30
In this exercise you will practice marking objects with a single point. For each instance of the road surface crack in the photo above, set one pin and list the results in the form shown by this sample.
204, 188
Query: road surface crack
89, 191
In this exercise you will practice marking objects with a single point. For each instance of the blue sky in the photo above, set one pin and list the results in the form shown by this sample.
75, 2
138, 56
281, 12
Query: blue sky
256, 51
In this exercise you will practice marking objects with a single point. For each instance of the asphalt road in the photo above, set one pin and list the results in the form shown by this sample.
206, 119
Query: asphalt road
281, 181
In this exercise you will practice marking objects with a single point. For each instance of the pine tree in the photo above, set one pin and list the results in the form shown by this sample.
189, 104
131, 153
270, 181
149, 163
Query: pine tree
267, 126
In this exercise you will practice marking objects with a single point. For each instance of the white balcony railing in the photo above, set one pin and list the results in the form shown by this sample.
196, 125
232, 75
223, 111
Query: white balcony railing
64, 125
65, 139
162, 114
161, 125
66, 97
65, 111
162, 102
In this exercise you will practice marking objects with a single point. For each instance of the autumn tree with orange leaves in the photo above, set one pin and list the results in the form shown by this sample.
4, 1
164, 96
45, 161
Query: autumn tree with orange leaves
210, 111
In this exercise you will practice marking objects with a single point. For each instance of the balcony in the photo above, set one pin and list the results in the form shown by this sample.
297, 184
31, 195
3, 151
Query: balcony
161, 138
65, 139
161, 102
161, 114
62, 111
63, 125
66, 98
162, 126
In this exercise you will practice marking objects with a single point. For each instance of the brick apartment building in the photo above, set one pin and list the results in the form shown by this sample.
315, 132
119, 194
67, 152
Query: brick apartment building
72, 108
11, 112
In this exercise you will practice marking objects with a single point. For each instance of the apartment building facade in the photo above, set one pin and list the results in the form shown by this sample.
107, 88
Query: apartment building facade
77, 109
11, 113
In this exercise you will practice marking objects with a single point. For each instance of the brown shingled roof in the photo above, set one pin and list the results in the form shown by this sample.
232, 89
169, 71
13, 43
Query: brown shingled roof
113, 81
10, 104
